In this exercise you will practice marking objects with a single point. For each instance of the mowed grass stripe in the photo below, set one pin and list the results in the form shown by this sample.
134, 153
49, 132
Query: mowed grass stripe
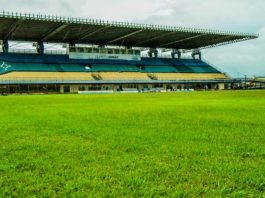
133, 145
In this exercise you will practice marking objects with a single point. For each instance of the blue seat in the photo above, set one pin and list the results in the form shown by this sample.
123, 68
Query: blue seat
62, 63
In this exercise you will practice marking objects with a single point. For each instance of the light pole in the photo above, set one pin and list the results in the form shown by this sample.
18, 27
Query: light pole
245, 81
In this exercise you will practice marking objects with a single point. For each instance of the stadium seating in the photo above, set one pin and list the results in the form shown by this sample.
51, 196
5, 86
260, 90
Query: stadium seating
42, 61
108, 76
189, 76
60, 67
113, 68
161, 69
124, 76
59, 76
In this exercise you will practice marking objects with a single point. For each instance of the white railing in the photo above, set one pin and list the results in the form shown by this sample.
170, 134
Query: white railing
33, 51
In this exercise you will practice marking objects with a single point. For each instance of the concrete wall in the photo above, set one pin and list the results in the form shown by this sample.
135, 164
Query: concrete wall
115, 87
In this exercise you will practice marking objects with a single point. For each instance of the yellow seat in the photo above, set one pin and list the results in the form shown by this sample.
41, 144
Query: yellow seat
124, 76
190, 76
119, 76
46, 76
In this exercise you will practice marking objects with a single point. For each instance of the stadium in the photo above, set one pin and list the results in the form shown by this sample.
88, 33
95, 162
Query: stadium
93, 108
107, 57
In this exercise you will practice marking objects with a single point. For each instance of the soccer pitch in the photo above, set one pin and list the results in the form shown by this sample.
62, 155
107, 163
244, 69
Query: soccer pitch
201, 144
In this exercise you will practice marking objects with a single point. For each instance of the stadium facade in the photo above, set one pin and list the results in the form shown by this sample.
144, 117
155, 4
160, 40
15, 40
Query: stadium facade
102, 56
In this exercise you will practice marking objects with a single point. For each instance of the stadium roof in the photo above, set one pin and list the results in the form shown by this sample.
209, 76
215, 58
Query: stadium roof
56, 29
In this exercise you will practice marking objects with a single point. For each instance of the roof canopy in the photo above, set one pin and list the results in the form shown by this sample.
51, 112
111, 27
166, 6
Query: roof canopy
54, 29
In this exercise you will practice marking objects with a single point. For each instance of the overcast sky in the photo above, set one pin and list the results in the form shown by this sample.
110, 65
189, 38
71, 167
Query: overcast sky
246, 58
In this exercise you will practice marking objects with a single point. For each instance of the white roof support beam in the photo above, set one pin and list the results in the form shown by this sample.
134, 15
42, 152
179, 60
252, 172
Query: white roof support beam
157, 37
12, 29
124, 36
181, 40
88, 34
54, 31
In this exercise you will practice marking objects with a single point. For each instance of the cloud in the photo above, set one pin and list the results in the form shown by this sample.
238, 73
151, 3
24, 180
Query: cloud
240, 59
235, 15
164, 12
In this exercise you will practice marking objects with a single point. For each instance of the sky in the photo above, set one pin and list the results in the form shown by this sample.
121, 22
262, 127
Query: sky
239, 59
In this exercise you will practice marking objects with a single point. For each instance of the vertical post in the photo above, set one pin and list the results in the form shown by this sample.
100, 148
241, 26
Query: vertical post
150, 53
5, 46
155, 53
172, 55
196, 52
179, 54
245, 81
174, 52
40, 47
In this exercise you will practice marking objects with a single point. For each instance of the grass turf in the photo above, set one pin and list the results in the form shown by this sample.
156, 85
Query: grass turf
209, 144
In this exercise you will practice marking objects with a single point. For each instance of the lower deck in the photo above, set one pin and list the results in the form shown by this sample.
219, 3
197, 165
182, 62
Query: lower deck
105, 88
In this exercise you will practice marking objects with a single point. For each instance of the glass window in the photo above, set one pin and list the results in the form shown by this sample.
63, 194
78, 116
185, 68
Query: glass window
72, 49
81, 50
94, 87
103, 51
82, 88
66, 89
130, 51
158, 86
96, 50
137, 52
117, 51
123, 51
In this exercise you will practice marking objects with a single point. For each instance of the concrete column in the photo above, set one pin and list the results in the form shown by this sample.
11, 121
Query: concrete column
115, 88
5, 46
182, 87
74, 88
40, 47
140, 87
61, 89
221, 86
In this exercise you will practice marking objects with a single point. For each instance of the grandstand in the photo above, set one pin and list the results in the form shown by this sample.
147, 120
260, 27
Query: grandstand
258, 82
101, 55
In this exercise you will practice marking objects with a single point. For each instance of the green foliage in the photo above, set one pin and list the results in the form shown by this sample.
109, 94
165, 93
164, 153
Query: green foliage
201, 144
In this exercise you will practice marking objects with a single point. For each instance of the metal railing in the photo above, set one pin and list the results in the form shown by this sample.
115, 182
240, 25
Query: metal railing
33, 51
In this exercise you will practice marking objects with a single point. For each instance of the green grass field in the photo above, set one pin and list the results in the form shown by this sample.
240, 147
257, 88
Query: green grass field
201, 144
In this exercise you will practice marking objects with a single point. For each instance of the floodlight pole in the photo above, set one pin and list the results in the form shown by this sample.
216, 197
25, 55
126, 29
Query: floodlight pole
245, 81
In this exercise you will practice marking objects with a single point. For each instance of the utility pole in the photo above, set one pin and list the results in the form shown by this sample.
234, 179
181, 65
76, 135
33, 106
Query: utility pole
245, 81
